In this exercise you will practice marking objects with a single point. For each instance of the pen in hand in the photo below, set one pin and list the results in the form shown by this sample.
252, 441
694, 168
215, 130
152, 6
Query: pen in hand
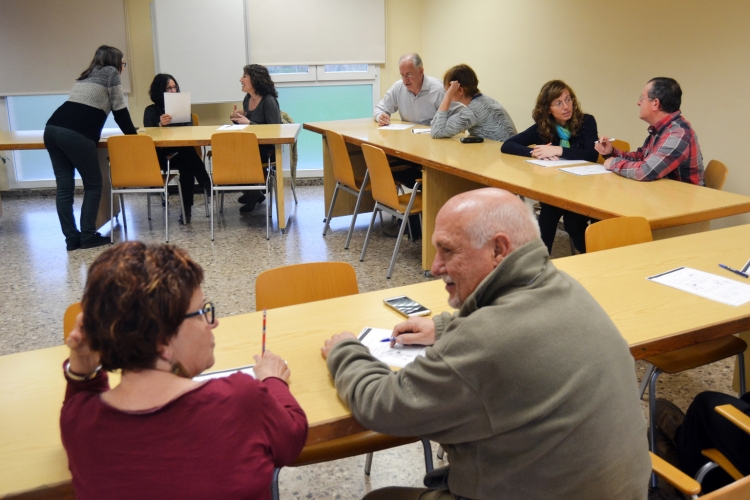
735, 271
610, 140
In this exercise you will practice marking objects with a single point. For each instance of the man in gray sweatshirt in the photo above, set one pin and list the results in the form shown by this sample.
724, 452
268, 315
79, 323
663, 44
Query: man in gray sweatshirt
529, 386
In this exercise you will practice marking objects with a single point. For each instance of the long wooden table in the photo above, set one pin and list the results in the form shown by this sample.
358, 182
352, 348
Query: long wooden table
451, 167
652, 318
281, 136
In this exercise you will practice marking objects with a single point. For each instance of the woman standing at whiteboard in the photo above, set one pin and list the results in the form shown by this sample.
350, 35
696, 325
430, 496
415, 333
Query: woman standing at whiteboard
260, 107
71, 135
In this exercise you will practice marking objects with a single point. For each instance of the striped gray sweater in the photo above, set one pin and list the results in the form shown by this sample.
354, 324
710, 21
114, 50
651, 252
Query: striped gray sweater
483, 117
90, 102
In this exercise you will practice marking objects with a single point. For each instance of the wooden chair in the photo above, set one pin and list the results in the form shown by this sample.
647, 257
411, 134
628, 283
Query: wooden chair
738, 490
387, 198
623, 231
134, 168
69, 318
301, 283
345, 179
715, 174
236, 165
717, 458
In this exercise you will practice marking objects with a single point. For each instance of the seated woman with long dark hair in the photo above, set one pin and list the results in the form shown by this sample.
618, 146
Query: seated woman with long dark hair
159, 433
186, 161
560, 131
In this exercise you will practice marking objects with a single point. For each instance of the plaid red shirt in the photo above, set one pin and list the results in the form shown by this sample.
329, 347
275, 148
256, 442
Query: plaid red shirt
671, 150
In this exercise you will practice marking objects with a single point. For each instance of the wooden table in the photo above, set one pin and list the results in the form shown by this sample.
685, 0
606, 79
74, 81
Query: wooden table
281, 136
652, 318
672, 208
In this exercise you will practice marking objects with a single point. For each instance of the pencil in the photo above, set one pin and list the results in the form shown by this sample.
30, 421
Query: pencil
263, 351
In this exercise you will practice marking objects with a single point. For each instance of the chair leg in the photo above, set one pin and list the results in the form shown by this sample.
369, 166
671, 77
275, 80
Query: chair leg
166, 213
182, 201
275, 484
148, 205
221, 207
293, 183
404, 223
122, 210
330, 209
646, 377
652, 416
356, 209
708, 467
368, 463
741, 363
428, 466
212, 213
369, 230
205, 201
111, 216
268, 212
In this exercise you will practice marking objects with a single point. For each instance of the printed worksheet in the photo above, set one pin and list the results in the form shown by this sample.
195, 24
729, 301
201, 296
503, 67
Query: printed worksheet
706, 285
397, 126
232, 127
593, 169
374, 340
556, 163
225, 373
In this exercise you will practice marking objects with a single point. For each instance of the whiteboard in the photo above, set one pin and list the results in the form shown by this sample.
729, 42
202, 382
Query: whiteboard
203, 44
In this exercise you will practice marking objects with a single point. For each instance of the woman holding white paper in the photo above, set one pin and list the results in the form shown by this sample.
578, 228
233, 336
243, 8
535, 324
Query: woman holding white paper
186, 159
260, 107
561, 131
159, 433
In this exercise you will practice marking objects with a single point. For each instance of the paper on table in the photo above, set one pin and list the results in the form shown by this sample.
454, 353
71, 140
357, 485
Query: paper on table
593, 169
372, 339
556, 163
396, 126
420, 131
706, 285
225, 373
177, 105
232, 127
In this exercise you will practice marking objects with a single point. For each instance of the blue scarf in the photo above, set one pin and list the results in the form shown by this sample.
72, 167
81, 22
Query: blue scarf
564, 135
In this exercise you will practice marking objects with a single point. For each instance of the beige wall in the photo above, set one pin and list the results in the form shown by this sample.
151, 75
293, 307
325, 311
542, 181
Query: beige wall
607, 51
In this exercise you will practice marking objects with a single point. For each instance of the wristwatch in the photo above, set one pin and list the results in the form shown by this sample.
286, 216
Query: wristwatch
80, 378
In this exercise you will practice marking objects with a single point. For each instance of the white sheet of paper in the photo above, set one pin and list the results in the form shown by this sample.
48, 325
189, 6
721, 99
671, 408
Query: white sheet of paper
593, 169
232, 127
225, 373
706, 285
556, 163
420, 131
396, 126
177, 105
372, 339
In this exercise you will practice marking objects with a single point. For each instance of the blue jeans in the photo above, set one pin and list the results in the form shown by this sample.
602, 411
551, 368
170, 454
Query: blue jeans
71, 151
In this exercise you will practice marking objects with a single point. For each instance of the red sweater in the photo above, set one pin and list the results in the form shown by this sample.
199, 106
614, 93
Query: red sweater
221, 440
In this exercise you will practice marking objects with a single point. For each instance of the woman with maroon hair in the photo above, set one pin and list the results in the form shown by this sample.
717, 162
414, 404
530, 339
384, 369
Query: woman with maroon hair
159, 433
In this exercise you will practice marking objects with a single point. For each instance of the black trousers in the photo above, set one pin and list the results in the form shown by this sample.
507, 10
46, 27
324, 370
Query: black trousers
408, 177
190, 166
71, 151
704, 428
575, 225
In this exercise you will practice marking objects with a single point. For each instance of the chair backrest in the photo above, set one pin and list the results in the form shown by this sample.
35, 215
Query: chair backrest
617, 232
715, 174
621, 145
738, 490
342, 164
300, 283
133, 161
69, 318
236, 159
381, 178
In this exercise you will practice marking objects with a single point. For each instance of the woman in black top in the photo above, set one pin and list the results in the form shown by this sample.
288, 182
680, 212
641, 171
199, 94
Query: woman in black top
561, 131
260, 107
186, 161
71, 135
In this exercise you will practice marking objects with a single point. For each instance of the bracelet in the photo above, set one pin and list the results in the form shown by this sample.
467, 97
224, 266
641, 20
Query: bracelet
80, 378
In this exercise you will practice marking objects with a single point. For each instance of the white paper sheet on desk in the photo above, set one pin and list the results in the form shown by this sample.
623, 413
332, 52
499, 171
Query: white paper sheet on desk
555, 163
177, 105
232, 127
593, 169
225, 373
396, 126
706, 285
372, 339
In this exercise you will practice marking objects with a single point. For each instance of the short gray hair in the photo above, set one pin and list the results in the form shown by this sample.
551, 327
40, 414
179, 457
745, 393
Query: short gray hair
518, 223
415, 59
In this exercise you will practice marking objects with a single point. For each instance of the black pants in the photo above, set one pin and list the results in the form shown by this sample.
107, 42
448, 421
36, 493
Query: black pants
71, 151
575, 225
704, 428
408, 177
190, 166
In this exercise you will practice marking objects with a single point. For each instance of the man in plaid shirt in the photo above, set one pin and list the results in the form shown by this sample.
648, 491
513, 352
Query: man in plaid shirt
671, 149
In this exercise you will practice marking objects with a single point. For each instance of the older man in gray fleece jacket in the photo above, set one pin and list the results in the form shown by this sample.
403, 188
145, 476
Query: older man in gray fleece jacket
529, 386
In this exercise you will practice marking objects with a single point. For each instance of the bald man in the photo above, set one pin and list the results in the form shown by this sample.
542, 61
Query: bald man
529, 386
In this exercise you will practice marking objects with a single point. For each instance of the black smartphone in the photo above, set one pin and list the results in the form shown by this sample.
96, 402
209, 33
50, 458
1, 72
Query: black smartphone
406, 306
471, 139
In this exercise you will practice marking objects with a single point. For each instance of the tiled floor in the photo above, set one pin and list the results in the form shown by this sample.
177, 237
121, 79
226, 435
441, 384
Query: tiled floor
40, 279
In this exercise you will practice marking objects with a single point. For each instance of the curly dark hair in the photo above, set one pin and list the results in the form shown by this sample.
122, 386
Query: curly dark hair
136, 298
466, 78
159, 86
261, 80
543, 116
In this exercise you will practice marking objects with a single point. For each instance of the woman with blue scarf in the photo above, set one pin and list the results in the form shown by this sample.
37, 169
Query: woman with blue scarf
560, 131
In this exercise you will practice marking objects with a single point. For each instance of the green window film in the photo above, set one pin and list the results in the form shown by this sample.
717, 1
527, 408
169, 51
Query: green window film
322, 103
